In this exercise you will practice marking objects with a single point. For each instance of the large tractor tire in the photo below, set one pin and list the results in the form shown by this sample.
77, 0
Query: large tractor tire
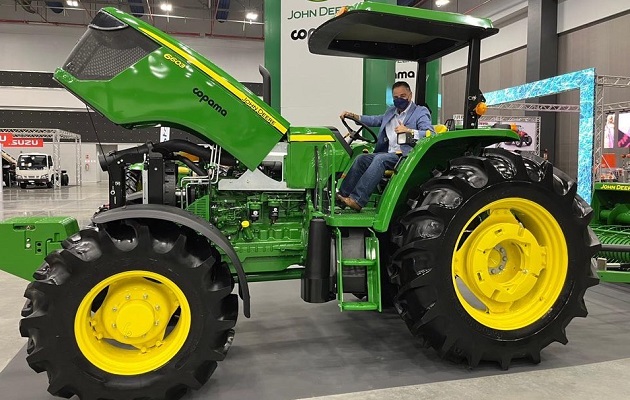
494, 258
131, 310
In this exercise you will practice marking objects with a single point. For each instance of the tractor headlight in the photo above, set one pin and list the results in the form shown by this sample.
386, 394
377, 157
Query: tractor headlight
19, 177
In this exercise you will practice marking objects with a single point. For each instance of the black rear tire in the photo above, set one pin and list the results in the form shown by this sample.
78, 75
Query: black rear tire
88, 259
22, 185
446, 212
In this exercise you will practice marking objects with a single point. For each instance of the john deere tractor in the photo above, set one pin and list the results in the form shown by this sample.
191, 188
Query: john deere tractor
485, 254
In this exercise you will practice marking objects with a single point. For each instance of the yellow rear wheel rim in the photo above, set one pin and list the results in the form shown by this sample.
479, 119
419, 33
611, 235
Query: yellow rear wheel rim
510, 264
127, 332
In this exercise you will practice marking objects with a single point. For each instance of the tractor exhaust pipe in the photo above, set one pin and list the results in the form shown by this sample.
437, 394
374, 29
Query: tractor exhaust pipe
317, 278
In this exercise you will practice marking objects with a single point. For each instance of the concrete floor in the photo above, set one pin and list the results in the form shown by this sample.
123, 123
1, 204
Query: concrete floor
294, 350
78, 202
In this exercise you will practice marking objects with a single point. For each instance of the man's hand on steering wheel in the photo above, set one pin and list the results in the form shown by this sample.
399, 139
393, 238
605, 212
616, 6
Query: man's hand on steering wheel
357, 134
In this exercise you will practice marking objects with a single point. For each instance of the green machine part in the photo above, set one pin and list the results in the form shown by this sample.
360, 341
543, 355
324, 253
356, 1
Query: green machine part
611, 219
266, 229
27, 240
611, 203
611, 224
614, 234
195, 95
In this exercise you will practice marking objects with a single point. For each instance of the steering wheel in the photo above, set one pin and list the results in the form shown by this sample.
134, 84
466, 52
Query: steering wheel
354, 135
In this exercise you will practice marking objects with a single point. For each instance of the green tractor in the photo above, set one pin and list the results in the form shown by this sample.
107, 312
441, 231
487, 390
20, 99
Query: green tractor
485, 254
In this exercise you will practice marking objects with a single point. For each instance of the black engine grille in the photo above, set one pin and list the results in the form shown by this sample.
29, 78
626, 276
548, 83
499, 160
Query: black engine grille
103, 54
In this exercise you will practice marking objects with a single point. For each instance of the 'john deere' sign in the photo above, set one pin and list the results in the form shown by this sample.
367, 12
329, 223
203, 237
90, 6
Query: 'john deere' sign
314, 12
617, 186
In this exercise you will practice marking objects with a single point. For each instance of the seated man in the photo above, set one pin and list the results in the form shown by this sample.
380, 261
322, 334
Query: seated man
367, 170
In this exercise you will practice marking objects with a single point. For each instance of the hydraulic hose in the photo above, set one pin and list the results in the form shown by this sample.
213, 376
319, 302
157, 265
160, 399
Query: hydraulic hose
167, 149
191, 165
105, 160
175, 145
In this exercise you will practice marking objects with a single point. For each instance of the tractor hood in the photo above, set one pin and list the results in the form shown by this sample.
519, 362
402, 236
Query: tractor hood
137, 76
377, 30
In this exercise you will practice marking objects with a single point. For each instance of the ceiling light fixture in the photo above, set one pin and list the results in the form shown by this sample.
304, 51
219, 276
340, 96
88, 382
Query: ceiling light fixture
441, 3
252, 16
72, 3
168, 7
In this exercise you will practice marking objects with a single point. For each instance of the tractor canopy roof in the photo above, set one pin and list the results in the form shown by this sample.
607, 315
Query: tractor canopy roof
377, 30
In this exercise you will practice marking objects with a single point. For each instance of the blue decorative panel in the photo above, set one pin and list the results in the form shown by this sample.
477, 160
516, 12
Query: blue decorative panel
584, 81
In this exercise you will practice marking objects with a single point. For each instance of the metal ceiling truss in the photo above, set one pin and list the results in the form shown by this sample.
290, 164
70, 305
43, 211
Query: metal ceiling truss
613, 81
215, 10
537, 107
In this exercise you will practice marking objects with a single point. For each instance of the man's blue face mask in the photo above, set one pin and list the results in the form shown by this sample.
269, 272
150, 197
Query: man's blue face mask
401, 103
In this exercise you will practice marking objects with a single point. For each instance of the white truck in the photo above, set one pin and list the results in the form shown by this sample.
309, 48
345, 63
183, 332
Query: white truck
37, 169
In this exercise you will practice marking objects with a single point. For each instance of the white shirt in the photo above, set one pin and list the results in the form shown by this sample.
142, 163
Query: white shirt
390, 130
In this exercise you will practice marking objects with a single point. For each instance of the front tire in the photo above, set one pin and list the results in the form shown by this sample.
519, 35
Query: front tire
131, 310
494, 258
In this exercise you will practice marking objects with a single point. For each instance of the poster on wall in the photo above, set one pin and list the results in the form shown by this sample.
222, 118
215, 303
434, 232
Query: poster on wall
406, 72
527, 132
609, 132
623, 132
315, 89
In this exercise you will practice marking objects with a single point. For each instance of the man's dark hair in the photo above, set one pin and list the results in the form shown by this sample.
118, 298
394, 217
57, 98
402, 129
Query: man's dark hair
401, 83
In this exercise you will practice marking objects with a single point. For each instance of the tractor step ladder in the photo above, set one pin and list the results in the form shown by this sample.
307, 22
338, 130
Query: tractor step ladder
369, 260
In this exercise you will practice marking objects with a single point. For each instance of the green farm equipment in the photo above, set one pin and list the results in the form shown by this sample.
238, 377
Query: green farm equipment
485, 254
611, 224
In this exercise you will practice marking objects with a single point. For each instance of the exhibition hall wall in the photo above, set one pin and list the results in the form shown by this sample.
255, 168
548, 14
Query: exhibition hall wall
496, 73
41, 48
605, 47
314, 89
591, 36
67, 152
38, 48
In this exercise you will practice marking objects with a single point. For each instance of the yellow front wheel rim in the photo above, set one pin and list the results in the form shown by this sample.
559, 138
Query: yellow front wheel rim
122, 324
510, 264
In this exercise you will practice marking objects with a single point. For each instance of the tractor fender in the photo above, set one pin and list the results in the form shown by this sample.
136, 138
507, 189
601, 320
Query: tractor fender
428, 154
185, 218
